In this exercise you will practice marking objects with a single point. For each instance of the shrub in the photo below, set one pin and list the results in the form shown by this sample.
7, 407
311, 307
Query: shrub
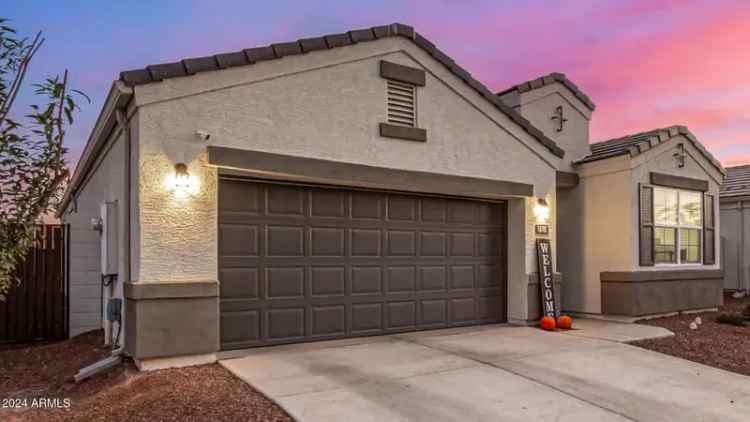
731, 318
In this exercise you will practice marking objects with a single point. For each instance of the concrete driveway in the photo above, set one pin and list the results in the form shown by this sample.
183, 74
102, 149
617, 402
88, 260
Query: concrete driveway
494, 373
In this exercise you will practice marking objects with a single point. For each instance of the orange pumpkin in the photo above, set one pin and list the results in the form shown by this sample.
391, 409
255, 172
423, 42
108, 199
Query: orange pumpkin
565, 322
548, 323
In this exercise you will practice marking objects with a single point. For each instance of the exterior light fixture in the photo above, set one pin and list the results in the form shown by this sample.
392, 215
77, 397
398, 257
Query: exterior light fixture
181, 183
541, 211
181, 176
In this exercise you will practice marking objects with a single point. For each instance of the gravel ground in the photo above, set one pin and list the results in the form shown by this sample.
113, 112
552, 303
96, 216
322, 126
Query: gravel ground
718, 345
199, 393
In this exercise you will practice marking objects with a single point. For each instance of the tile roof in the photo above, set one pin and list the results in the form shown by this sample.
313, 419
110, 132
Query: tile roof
737, 182
548, 80
187, 67
640, 142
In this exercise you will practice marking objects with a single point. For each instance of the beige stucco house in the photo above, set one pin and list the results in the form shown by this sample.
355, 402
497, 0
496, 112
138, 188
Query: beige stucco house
364, 183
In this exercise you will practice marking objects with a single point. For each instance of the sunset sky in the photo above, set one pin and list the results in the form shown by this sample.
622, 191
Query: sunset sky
645, 63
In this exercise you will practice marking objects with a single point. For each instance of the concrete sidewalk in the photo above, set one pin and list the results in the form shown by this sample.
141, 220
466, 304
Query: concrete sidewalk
493, 373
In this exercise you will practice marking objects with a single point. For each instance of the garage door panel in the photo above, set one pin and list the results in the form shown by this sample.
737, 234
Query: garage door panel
462, 276
462, 309
461, 244
401, 315
328, 320
285, 241
366, 280
401, 243
367, 206
327, 281
433, 312
285, 324
239, 283
401, 279
285, 283
327, 242
285, 200
366, 318
238, 240
307, 263
240, 326
432, 278
402, 208
365, 243
327, 203
240, 198
432, 244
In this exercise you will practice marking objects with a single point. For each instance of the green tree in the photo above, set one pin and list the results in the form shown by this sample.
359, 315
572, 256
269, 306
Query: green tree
33, 170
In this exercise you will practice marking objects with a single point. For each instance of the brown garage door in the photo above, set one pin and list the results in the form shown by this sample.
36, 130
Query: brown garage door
311, 263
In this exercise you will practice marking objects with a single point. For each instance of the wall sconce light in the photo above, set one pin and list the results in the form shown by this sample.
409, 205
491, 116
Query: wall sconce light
541, 211
181, 183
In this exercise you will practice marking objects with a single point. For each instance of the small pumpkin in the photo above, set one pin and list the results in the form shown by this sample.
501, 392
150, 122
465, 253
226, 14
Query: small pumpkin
565, 322
548, 323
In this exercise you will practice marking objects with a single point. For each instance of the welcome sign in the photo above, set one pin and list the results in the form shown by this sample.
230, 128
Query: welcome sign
546, 283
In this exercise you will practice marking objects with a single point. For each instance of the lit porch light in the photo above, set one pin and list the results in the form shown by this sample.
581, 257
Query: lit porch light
182, 183
541, 211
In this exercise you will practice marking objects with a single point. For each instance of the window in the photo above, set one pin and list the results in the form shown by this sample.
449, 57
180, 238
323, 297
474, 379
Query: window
402, 104
678, 223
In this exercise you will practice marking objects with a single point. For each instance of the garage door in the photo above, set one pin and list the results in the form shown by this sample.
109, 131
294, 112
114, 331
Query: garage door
299, 263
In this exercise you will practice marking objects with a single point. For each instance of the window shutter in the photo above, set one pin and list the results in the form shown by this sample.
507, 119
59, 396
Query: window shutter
402, 104
646, 222
709, 232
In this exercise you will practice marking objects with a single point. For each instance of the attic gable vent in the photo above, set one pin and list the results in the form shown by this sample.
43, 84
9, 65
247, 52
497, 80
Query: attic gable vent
402, 103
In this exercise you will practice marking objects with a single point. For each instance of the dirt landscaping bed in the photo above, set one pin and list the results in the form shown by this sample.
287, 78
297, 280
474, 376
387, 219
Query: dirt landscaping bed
207, 392
718, 345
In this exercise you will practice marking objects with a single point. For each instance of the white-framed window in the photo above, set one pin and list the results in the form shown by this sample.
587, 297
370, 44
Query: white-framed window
678, 226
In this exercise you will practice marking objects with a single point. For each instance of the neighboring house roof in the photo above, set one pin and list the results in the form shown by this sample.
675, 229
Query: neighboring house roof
549, 80
186, 67
736, 182
640, 142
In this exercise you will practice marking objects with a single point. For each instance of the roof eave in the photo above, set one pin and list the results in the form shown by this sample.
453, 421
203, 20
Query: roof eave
118, 97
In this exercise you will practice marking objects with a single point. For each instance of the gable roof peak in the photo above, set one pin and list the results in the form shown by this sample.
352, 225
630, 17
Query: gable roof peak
549, 80
250, 56
638, 143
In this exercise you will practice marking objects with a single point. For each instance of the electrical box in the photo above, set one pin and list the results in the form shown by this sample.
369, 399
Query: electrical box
114, 310
109, 244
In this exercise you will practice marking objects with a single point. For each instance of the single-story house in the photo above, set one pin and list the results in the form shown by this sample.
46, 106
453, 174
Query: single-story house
735, 229
365, 183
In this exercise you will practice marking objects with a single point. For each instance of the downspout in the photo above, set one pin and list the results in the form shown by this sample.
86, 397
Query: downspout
124, 123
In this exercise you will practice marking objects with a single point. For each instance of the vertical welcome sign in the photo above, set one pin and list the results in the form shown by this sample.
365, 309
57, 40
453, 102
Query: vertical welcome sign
546, 283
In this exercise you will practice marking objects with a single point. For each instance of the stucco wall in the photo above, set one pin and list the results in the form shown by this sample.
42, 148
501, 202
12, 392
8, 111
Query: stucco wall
608, 231
105, 184
735, 232
538, 106
323, 105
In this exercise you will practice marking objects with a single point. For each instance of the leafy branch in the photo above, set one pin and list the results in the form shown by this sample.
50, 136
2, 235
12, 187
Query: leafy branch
33, 170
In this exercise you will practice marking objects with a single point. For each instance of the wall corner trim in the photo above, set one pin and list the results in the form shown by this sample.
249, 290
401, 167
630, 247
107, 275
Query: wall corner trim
171, 290
659, 275
679, 182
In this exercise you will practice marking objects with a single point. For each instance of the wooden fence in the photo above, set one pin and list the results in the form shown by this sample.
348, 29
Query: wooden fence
37, 308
